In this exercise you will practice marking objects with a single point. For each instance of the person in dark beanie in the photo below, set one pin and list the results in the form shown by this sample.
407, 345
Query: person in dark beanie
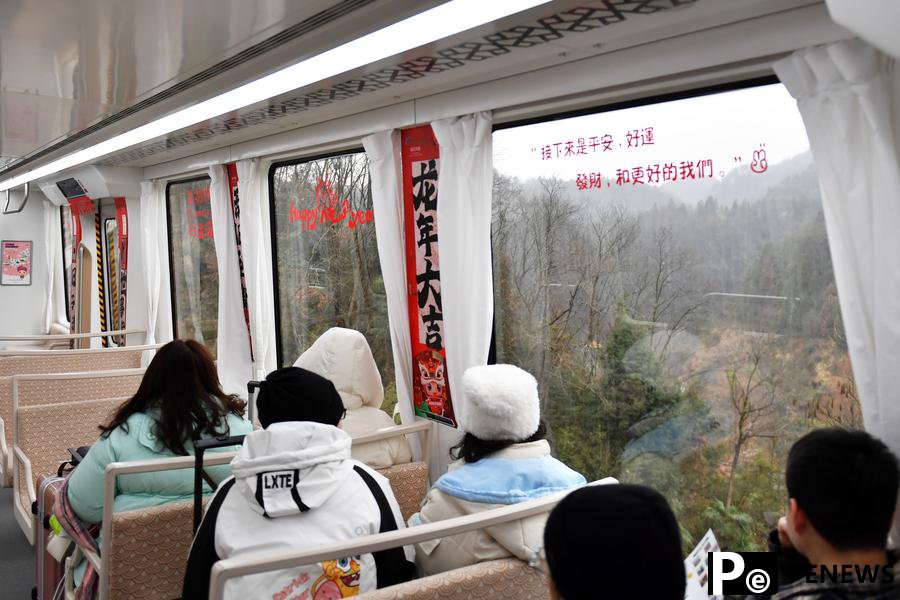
295, 486
295, 394
626, 531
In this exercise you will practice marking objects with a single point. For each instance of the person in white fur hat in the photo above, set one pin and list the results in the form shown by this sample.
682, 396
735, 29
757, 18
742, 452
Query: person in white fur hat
503, 458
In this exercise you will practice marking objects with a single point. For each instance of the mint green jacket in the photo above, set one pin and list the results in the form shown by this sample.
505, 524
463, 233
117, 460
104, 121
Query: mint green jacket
139, 490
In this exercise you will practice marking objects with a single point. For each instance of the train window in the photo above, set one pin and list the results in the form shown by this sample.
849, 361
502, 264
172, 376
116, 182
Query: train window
326, 257
664, 271
192, 259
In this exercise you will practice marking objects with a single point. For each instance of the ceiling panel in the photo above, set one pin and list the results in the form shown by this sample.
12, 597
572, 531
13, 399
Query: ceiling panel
65, 64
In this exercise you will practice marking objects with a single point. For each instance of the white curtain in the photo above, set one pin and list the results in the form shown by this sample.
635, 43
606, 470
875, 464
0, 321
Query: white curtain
153, 236
232, 343
55, 305
845, 92
383, 151
464, 221
257, 250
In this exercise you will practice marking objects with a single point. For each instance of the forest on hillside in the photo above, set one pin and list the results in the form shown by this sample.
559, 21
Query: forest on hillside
680, 344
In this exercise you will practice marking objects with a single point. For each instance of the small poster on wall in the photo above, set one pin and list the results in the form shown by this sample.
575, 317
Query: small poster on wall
16, 263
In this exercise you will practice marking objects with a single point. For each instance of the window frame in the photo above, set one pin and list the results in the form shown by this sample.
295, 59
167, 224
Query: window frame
686, 94
276, 294
172, 298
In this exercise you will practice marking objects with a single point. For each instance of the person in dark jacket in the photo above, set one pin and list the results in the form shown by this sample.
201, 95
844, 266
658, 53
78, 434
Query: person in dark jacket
295, 486
832, 544
614, 541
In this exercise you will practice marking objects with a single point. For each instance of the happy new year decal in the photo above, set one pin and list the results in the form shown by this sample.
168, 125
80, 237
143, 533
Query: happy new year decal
420, 164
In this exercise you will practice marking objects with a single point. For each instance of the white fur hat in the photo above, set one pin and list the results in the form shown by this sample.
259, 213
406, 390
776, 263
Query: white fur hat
500, 402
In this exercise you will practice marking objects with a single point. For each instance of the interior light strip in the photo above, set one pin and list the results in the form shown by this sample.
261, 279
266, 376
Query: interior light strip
426, 27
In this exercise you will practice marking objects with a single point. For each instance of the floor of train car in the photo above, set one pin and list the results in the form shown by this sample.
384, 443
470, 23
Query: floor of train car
16, 558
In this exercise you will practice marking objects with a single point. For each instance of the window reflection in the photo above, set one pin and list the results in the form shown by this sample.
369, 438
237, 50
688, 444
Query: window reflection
195, 277
326, 258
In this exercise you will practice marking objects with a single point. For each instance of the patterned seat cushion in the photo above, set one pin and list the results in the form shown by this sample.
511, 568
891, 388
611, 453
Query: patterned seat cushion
63, 362
70, 362
149, 551
46, 432
509, 578
409, 481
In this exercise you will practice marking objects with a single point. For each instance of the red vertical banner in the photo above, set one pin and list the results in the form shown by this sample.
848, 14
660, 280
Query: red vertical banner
77, 206
122, 266
420, 157
231, 168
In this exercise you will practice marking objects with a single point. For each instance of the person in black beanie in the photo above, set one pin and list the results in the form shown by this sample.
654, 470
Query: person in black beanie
627, 532
295, 486
295, 394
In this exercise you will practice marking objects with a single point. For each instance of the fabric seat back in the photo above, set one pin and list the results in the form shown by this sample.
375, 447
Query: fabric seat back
508, 578
409, 482
148, 551
45, 432
71, 361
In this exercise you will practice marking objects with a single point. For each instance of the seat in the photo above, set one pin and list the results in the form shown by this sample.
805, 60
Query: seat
42, 434
148, 551
508, 578
67, 361
80, 364
145, 551
409, 482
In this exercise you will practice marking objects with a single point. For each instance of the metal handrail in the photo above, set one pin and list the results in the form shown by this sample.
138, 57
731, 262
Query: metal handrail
49, 337
25, 196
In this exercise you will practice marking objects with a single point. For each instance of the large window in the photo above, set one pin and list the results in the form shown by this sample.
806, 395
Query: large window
326, 257
664, 272
192, 258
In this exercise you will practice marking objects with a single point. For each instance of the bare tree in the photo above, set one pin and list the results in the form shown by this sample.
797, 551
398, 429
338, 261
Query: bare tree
752, 397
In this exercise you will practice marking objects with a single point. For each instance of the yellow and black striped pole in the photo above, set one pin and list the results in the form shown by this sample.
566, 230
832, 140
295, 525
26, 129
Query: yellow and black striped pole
102, 297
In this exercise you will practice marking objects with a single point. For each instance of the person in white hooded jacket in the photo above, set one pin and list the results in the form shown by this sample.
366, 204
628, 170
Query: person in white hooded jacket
295, 486
343, 356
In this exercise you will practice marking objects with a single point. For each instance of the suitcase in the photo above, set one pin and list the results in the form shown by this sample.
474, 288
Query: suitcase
200, 448
48, 571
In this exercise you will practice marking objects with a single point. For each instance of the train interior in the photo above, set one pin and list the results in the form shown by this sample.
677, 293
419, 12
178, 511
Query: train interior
680, 216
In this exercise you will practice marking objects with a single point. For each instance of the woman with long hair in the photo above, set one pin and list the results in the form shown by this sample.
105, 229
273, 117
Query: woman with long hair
179, 400
503, 458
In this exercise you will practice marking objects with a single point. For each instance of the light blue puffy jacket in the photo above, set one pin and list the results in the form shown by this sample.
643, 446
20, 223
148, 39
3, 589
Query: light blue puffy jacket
139, 490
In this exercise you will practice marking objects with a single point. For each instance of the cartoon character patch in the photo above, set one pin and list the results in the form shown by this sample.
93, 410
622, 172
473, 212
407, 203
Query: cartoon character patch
339, 580
431, 383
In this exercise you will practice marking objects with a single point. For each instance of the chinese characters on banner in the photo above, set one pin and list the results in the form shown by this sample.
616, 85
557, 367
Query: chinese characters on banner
420, 164
81, 205
199, 214
231, 168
